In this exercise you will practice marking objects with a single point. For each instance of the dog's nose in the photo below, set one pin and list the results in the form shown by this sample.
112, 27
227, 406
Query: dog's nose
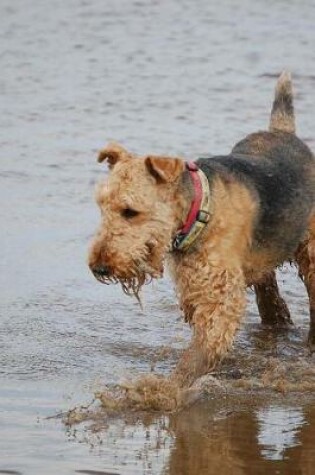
101, 271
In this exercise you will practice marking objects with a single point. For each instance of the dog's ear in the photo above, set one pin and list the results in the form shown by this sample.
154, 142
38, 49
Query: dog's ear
113, 153
164, 169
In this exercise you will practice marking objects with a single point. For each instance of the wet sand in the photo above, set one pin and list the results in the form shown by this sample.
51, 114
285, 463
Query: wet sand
165, 77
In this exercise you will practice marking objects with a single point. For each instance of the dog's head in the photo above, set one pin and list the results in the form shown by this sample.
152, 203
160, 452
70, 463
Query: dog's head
141, 209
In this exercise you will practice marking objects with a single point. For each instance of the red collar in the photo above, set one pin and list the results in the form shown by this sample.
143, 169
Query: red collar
195, 205
195, 214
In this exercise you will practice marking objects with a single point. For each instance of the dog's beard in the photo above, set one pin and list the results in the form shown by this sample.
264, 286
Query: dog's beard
141, 274
130, 284
140, 271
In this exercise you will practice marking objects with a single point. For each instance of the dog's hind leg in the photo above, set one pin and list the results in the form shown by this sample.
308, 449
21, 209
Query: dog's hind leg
272, 308
305, 258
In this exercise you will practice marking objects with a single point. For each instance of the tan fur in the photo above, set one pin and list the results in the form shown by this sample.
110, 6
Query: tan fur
135, 248
146, 201
113, 153
210, 280
211, 277
282, 114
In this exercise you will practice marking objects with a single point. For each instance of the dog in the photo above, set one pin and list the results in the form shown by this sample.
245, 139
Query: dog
221, 224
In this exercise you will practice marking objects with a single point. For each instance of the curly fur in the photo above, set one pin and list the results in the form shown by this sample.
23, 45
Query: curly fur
263, 202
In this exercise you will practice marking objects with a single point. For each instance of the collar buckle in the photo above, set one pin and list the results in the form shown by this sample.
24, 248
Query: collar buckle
203, 216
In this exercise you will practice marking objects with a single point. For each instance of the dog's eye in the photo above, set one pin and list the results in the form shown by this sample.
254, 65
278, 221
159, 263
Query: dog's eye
129, 213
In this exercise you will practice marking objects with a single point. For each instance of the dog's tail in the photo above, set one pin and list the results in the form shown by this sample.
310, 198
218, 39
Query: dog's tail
282, 114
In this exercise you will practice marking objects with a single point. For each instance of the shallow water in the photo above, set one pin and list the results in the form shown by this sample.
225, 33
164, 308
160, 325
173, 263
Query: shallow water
165, 76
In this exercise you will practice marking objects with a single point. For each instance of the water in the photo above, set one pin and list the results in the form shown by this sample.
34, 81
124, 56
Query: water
168, 76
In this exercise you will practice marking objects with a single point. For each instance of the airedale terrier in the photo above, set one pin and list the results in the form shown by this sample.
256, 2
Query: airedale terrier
221, 224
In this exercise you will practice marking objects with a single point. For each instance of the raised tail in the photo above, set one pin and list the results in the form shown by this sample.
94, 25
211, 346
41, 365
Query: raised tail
282, 114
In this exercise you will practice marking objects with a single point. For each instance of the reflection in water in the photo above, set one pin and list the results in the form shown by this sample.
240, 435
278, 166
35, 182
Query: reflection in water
203, 443
226, 436
137, 445
208, 441
278, 430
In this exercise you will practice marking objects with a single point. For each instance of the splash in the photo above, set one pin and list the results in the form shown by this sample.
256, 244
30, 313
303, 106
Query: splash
272, 370
146, 393
149, 394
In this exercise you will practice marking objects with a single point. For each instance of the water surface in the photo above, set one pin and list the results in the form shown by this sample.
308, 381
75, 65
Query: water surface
175, 77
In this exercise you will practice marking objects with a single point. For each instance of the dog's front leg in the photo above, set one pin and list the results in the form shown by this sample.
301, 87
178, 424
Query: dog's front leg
214, 305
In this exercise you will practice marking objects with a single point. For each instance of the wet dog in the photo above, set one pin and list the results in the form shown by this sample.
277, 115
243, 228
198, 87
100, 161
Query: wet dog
221, 224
